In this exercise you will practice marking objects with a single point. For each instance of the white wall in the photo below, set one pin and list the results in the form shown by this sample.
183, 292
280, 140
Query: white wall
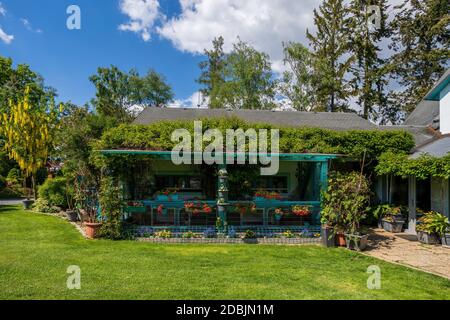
444, 110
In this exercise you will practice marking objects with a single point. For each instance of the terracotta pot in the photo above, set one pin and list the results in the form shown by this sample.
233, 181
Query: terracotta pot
92, 230
340, 240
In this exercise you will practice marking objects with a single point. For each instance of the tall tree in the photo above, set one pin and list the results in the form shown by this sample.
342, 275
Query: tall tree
28, 129
249, 80
14, 81
331, 55
367, 27
296, 84
421, 41
213, 73
119, 94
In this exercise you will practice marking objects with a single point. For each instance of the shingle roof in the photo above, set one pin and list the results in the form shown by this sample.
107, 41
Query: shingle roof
421, 134
438, 148
325, 120
425, 114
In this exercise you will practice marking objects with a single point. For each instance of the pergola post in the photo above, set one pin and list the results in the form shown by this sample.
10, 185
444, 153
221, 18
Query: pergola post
222, 197
323, 180
412, 205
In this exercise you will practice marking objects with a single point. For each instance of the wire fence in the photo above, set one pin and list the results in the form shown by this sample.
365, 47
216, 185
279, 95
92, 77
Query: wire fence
240, 234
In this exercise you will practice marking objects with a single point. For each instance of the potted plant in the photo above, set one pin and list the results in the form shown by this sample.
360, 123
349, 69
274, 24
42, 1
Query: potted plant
278, 214
250, 237
345, 204
392, 219
431, 227
301, 211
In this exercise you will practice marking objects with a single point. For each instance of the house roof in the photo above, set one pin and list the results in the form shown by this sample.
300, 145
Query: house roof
425, 114
421, 134
434, 93
438, 147
325, 120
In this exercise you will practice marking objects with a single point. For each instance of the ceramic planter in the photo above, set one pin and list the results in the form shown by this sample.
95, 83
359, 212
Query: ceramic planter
92, 230
72, 215
428, 238
446, 239
340, 240
393, 226
27, 204
327, 236
356, 242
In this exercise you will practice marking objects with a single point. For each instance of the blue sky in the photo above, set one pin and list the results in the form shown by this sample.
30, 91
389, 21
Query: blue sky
166, 35
66, 58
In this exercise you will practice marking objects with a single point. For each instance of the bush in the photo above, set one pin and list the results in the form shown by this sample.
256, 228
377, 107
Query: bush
54, 191
2, 183
42, 205
112, 205
13, 176
346, 201
11, 192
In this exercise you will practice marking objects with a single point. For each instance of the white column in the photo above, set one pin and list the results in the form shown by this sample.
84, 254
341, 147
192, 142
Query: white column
412, 205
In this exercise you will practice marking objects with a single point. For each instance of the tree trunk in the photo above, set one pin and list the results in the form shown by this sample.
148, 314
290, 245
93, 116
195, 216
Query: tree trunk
33, 185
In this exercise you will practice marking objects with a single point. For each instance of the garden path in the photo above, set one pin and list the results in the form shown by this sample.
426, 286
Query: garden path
405, 249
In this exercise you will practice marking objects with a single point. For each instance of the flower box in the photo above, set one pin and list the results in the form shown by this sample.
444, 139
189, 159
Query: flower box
393, 226
427, 238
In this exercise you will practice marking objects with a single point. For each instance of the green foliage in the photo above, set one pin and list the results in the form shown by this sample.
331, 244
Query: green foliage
249, 234
399, 164
118, 92
42, 205
14, 176
345, 201
433, 222
112, 205
242, 79
297, 82
421, 42
331, 60
354, 143
55, 191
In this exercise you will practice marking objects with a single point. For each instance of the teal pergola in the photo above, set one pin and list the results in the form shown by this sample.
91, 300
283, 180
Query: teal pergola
322, 161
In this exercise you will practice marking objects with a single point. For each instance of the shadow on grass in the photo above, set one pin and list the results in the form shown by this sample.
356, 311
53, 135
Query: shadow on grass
9, 208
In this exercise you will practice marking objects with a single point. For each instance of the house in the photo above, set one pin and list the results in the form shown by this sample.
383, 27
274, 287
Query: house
300, 179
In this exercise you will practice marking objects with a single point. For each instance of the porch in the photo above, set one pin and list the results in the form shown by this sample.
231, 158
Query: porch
181, 198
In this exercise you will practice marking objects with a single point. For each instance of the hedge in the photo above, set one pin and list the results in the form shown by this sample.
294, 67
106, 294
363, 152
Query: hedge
157, 137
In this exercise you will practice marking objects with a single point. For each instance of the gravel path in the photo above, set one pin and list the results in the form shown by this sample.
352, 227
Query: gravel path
406, 250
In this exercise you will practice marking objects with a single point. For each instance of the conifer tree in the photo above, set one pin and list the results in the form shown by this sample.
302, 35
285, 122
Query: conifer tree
332, 61
421, 41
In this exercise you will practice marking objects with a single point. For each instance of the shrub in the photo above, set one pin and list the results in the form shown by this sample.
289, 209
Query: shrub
434, 223
13, 176
346, 201
42, 205
210, 233
55, 191
11, 192
112, 205
2, 183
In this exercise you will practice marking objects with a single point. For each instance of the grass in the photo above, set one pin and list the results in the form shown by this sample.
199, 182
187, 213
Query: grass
35, 251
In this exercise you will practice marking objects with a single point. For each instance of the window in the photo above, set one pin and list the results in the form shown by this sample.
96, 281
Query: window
182, 183
273, 183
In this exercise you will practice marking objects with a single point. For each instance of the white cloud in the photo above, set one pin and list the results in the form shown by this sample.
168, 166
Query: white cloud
143, 15
2, 10
265, 24
6, 38
28, 26
194, 101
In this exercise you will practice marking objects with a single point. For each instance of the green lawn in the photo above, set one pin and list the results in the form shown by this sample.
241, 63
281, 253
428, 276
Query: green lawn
35, 251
